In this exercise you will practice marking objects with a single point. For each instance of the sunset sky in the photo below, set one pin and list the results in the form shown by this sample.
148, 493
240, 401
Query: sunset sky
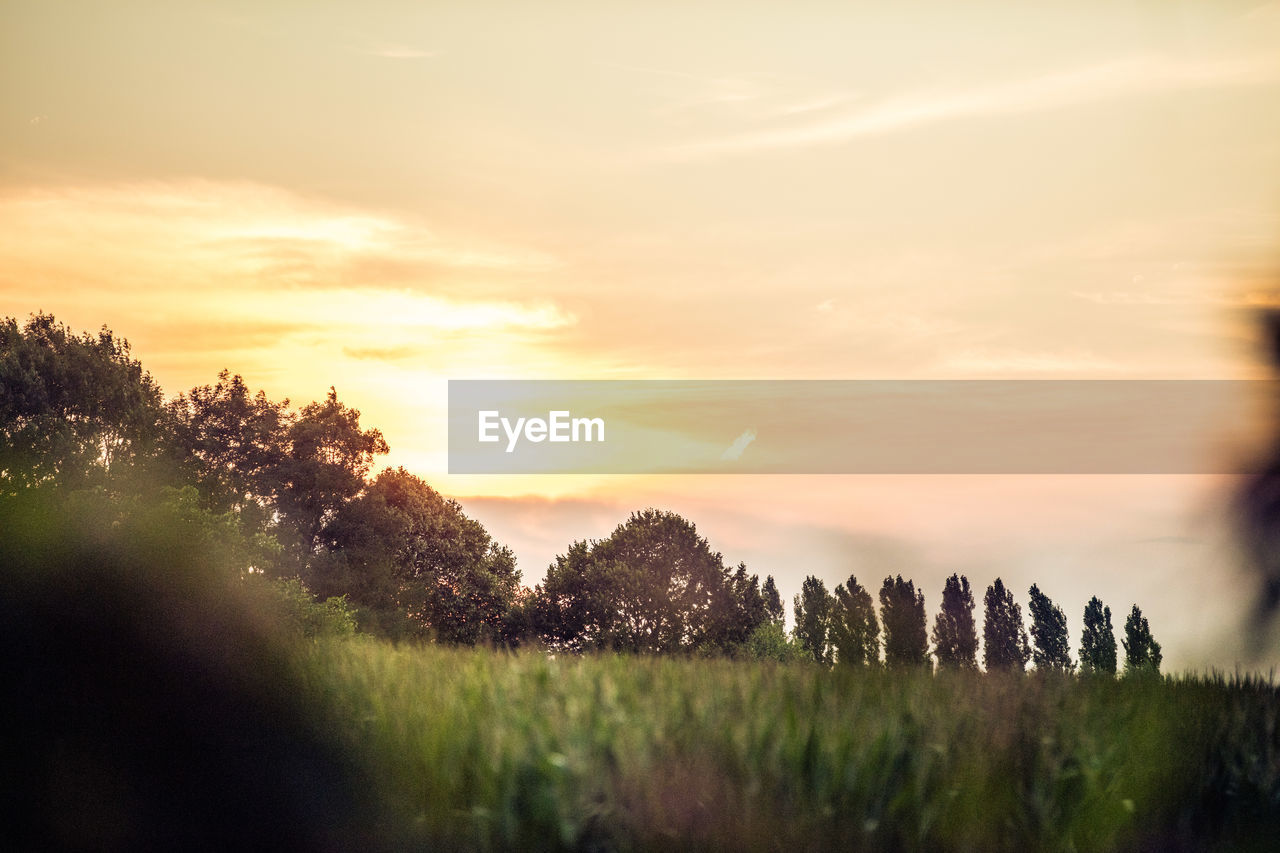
384, 196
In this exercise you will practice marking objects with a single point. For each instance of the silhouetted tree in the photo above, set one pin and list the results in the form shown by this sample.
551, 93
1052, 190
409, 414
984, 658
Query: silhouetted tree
75, 410
1004, 638
1052, 648
328, 458
416, 564
653, 586
955, 637
230, 444
1141, 651
812, 608
906, 639
741, 611
773, 601
855, 631
1097, 640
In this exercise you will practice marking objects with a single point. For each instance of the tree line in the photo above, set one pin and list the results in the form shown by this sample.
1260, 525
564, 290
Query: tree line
289, 496
841, 628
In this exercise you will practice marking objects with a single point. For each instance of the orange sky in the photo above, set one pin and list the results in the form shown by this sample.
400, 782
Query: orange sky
383, 196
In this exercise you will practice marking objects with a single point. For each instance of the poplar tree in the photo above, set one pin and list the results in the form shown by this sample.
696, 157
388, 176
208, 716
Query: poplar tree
813, 619
955, 637
1003, 635
1141, 651
855, 631
906, 639
1098, 639
1051, 647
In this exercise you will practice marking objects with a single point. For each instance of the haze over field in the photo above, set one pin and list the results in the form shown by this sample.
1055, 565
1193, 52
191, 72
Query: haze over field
387, 197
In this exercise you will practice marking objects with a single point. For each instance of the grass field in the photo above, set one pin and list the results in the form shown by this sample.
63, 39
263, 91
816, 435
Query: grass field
488, 750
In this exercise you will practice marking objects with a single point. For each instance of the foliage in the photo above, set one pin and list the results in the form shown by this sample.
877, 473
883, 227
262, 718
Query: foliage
773, 601
1141, 651
855, 631
1004, 639
297, 610
325, 466
902, 611
1052, 648
417, 564
955, 639
231, 445
812, 608
1097, 640
769, 642
654, 585
75, 409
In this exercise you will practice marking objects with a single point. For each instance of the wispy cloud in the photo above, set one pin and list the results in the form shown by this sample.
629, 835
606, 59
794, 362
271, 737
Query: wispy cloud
734, 451
1110, 80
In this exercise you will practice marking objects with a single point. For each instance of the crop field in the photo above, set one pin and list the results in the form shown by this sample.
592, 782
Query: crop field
491, 750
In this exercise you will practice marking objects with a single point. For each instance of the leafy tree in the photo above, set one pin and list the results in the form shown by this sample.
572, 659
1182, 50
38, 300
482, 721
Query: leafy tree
769, 641
773, 601
742, 610
955, 637
324, 468
1097, 640
230, 443
417, 564
855, 631
906, 641
1003, 635
299, 611
812, 608
75, 410
1052, 648
653, 586
1141, 651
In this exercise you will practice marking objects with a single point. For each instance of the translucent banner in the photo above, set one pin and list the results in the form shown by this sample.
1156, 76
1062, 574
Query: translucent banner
855, 426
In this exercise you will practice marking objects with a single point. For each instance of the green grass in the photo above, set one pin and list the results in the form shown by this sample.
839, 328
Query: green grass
486, 750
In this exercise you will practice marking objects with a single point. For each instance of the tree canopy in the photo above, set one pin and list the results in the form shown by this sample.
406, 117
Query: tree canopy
906, 641
955, 639
1004, 639
1141, 651
1097, 640
1052, 648
654, 585
855, 631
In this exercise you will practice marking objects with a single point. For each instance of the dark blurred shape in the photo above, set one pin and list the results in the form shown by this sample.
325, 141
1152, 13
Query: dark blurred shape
150, 704
1258, 504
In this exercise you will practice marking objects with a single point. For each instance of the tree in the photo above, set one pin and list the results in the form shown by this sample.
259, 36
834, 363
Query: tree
855, 631
812, 609
653, 586
1003, 635
1141, 651
955, 637
77, 410
773, 601
742, 610
230, 444
906, 639
416, 564
1052, 648
770, 642
1097, 640
328, 458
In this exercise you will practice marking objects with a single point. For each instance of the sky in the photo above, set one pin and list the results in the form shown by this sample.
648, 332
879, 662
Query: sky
384, 196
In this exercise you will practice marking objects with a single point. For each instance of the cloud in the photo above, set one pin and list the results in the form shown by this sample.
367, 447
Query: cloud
1110, 80
734, 451
1245, 300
